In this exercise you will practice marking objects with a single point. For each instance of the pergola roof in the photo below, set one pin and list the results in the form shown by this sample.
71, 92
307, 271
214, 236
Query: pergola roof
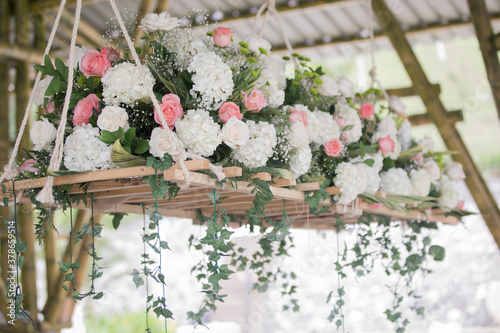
317, 28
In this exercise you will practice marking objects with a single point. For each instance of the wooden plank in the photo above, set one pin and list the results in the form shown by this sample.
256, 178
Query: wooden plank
486, 39
282, 182
333, 190
424, 119
263, 176
304, 187
477, 186
411, 91
233, 172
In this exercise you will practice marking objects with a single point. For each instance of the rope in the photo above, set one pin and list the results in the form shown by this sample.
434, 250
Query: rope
45, 195
177, 151
373, 71
10, 170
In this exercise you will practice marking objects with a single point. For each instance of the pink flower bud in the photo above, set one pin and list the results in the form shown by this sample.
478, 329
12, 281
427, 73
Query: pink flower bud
228, 110
255, 101
366, 111
222, 36
334, 147
296, 115
386, 145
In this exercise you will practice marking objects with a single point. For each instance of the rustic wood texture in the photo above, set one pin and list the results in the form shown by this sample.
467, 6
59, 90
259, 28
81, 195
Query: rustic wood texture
486, 38
479, 190
424, 119
410, 91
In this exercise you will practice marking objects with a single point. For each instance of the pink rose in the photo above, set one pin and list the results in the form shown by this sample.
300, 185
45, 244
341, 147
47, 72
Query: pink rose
171, 108
95, 63
296, 115
28, 166
419, 159
460, 204
50, 107
111, 53
340, 121
255, 101
228, 110
386, 145
376, 205
222, 36
366, 111
84, 109
333, 147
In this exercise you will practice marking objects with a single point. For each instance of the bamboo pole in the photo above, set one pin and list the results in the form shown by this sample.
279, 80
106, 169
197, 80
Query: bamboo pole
24, 212
435, 108
4, 126
53, 305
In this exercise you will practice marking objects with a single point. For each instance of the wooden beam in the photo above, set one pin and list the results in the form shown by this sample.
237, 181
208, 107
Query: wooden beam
411, 91
38, 6
20, 53
162, 6
91, 33
477, 186
147, 6
486, 38
424, 119
65, 27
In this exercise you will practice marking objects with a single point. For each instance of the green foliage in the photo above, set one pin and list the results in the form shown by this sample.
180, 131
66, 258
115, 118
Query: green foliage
316, 199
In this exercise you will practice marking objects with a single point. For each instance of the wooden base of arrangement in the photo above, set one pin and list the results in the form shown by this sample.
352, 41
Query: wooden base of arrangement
123, 191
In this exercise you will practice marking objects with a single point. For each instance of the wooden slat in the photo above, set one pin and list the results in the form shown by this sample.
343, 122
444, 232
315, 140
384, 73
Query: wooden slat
410, 91
477, 186
304, 187
263, 176
424, 119
282, 182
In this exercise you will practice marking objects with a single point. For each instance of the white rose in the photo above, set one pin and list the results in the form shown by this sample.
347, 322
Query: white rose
39, 95
345, 86
153, 22
300, 162
42, 134
235, 133
79, 53
329, 88
298, 135
160, 143
455, 171
433, 170
450, 197
397, 104
404, 135
112, 118
255, 42
427, 144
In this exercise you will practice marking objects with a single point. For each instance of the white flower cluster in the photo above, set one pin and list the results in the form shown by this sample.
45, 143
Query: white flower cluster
322, 127
298, 135
396, 181
351, 117
449, 194
83, 151
404, 135
260, 147
212, 78
388, 127
123, 83
272, 81
186, 43
421, 182
163, 22
198, 132
300, 161
348, 180
369, 176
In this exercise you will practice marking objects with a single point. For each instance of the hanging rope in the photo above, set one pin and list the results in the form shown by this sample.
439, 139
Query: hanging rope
373, 71
177, 150
10, 171
45, 195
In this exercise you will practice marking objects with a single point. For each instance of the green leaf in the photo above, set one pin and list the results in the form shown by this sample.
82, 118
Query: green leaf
362, 150
69, 277
370, 198
437, 252
164, 245
138, 281
130, 134
214, 196
162, 312
53, 86
63, 267
124, 159
370, 162
61, 68
117, 218
98, 295
141, 147
6, 202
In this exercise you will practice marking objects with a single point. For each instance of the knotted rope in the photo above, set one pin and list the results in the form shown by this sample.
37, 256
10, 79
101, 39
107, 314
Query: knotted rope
373, 71
45, 195
10, 171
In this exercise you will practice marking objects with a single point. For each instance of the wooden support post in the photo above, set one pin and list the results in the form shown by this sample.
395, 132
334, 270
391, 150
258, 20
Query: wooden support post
4, 126
145, 8
410, 91
486, 38
424, 119
477, 186
53, 306
162, 6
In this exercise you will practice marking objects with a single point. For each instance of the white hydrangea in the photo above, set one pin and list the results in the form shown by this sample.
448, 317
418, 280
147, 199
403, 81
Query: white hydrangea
421, 182
322, 127
83, 151
379, 160
427, 144
455, 171
186, 43
397, 104
298, 135
363, 172
404, 135
272, 81
351, 117
123, 83
347, 179
372, 182
300, 161
346, 87
395, 181
212, 78
260, 147
450, 197
198, 132
329, 88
